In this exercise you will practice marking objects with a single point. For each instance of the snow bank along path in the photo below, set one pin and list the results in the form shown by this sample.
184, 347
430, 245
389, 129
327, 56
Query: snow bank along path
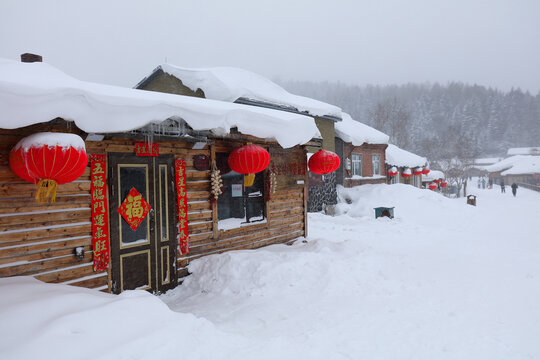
442, 280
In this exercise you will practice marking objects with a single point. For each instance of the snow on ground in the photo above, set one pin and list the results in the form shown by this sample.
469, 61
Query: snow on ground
442, 280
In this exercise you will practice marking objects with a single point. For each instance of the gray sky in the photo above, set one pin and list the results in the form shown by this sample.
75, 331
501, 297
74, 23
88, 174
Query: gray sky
493, 43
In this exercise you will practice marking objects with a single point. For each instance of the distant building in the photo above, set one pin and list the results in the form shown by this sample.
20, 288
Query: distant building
405, 164
362, 152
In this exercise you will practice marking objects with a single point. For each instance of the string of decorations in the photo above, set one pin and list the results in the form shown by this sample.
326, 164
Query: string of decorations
216, 182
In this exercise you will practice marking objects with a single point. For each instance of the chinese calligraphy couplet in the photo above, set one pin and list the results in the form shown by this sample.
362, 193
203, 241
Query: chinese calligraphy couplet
99, 210
183, 233
144, 149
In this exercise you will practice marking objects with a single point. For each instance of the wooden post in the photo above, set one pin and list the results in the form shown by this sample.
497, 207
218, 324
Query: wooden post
306, 195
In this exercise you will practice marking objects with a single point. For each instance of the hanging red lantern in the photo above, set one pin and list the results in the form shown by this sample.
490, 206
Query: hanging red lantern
437, 180
443, 184
249, 159
323, 162
406, 173
432, 186
418, 171
49, 159
425, 171
393, 171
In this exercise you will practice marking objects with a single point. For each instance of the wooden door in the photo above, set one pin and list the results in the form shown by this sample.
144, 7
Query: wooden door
144, 258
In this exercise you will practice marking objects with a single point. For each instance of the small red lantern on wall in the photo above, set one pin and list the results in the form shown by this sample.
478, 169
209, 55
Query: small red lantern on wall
323, 162
432, 186
418, 171
406, 173
393, 171
437, 180
425, 171
249, 159
49, 160
443, 184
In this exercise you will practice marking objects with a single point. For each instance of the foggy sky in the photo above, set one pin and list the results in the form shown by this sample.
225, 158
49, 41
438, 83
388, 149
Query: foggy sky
492, 43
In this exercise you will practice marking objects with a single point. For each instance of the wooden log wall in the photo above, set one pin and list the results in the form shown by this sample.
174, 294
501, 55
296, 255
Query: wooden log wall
39, 240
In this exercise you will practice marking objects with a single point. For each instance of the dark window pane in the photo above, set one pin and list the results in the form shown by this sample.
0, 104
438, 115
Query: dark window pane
133, 176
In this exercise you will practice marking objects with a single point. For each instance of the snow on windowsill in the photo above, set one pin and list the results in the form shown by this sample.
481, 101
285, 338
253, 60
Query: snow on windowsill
358, 177
234, 223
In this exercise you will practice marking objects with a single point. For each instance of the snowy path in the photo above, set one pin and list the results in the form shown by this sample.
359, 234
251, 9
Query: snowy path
446, 281
443, 280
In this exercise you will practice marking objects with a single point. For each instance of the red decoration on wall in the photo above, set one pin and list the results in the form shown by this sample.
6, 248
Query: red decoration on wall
249, 159
100, 212
134, 209
443, 184
437, 180
432, 186
418, 171
323, 162
183, 231
47, 166
145, 149
425, 171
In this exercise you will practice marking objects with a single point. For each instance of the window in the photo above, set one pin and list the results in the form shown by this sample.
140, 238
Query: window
416, 180
376, 163
238, 205
356, 164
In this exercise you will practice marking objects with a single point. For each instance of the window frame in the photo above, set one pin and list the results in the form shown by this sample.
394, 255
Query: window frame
355, 162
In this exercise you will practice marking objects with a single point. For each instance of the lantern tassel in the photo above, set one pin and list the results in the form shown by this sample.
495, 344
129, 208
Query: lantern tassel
46, 189
249, 179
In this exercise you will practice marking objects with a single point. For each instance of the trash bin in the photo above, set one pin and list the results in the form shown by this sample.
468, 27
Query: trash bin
471, 200
384, 211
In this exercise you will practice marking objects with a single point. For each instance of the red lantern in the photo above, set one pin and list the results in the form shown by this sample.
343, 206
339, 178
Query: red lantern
406, 173
437, 180
443, 184
323, 162
432, 186
48, 159
393, 171
418, 171
425, 171
249, 159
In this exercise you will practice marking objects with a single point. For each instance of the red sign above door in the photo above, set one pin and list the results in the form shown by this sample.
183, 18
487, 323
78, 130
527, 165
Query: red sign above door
144, 149
134, 209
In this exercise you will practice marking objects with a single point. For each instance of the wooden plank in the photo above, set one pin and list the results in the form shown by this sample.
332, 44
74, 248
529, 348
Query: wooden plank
200, 216
197, 175
40, 255
43, 265
42, 234
8, 206
206, 205
43, 219
67, 274
198, 186
198, 195
46, 246
29, 190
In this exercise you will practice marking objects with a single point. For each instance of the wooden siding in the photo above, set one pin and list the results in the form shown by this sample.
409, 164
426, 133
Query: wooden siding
39, 240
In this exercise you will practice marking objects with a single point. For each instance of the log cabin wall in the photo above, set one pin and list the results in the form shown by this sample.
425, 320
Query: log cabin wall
39, 239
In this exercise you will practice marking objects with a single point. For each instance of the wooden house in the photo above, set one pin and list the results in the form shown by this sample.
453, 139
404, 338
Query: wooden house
404, 167
99, 233
524, 170
362, 150
244, 87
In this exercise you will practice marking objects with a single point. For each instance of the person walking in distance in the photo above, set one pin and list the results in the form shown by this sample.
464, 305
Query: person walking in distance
503, 190
514, 189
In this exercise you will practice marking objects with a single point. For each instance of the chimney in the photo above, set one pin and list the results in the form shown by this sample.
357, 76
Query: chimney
30, 58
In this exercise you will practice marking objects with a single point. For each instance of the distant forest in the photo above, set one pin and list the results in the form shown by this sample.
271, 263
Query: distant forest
437, 121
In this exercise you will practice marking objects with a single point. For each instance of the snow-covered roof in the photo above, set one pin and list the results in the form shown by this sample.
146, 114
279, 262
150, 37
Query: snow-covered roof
516, 165
352, 131
230, 84
32, 93
524, 151
433, 175
487, 161
403, 158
